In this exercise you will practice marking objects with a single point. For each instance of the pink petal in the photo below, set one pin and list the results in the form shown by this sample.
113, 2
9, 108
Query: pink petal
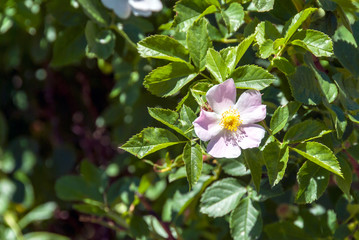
207, 125
248, 99
224, 145
253, 114
250, 136
222, 96
250, 107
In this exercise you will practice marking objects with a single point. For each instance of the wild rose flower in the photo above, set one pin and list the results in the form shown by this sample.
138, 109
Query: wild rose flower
123, 8
230, 127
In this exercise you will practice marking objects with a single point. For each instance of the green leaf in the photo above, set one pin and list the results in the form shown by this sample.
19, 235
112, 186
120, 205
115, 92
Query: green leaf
93, 175
149, 141
234, 166
283, 65
222, 197
229, 56
285, 230
162, 47
341, 50
192, 157
232, 55
242, 48
40, 213
316, 42
100, 42
304, 87
95, 11
344, 97
187, 117
276, 160
266, 31
344, 183
233, 17
279, 119
188, 11
320, 155
69, 47
198, 43
266, 49
44, 236
252, 77
169, 79
254, 160
167, 117
339, 120
216, 65
329, 89
76, 188
305, 131
246, 220
312, 180
295, 22
264, 5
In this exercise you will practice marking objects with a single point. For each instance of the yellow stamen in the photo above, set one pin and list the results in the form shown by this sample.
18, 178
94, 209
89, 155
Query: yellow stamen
231, 120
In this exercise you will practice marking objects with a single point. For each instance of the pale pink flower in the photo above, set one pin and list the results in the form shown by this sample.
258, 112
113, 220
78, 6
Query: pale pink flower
123, 8
230, 127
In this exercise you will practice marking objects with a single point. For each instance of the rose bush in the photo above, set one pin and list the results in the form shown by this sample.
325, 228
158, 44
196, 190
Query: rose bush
131, 123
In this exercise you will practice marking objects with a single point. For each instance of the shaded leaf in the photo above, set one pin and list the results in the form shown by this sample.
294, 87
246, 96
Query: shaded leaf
275, 160
254, 160
222, 197
305, 131
234, 166
95, 11
304, 87
344, 183
246, 221
285, 231
100, 42
312, 180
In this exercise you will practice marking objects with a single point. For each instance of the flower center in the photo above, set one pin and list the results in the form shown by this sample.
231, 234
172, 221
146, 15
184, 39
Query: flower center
231, 120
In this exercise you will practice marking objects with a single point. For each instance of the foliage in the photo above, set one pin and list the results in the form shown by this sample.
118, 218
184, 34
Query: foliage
77, 112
